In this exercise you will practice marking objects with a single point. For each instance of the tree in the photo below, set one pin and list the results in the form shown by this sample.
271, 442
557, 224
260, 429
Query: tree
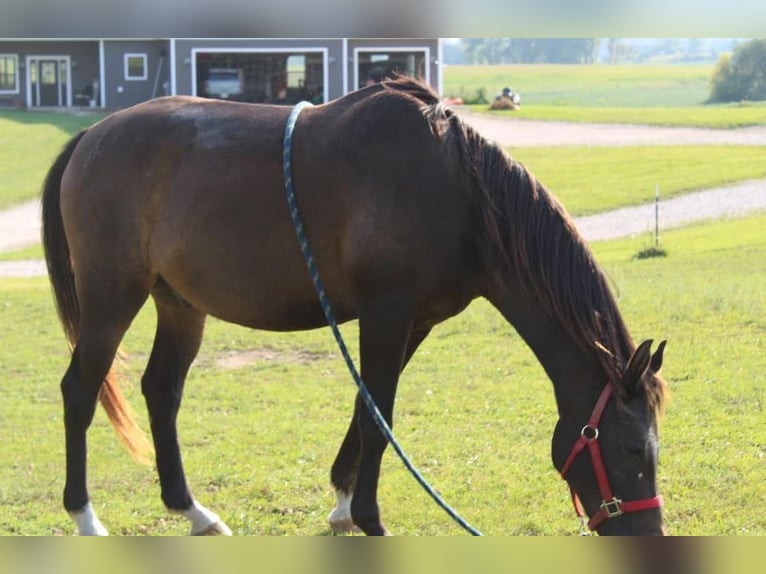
567, 50
742, 75
529, 50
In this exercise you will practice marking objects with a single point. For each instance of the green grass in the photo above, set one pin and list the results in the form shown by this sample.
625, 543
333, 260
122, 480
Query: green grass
666, 95
589, 86
33, 252
596, 179
716, 117
29, 142
475, 411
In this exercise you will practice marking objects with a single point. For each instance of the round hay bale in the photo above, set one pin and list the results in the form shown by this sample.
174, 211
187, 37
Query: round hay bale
503, 103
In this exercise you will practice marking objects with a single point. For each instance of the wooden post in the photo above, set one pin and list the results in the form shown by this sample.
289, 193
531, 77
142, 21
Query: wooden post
657, 216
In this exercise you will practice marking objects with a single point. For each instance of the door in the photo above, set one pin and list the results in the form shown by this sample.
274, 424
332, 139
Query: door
49, 81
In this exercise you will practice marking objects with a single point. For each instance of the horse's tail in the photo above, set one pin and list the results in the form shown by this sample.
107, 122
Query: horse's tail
57, 258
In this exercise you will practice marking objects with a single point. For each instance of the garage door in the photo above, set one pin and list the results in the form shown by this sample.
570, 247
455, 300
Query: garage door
259, 76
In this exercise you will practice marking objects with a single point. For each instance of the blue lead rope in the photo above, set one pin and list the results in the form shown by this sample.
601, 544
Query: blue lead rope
311, 263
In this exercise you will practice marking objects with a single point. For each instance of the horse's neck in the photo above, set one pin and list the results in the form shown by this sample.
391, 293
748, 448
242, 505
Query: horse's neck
576, 376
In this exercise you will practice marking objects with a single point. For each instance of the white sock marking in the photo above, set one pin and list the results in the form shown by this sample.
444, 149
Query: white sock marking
203, 519
88, 523
340, 517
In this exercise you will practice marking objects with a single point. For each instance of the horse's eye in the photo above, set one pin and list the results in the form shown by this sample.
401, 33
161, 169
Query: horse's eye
635, 448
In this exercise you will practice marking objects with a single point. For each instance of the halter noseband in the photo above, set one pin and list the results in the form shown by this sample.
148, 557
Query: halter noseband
611, 506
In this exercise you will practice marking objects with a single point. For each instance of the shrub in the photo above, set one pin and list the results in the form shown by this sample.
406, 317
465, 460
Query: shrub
741, 76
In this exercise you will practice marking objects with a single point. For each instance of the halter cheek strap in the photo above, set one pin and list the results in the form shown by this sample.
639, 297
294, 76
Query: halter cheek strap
611, 506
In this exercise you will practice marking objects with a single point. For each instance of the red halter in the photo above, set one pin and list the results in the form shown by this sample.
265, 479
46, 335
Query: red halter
611, 506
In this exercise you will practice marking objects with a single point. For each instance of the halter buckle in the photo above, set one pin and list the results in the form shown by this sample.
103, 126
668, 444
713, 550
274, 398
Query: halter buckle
613, 508
584, 530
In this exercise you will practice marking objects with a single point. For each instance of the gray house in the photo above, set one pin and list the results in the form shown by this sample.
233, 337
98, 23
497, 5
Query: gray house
117, 73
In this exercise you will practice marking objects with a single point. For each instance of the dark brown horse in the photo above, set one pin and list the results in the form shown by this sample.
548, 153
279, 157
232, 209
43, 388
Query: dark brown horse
411, 215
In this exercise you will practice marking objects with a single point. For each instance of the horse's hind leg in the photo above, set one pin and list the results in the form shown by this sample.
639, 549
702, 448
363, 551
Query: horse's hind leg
346, 465
104, 320
177, 340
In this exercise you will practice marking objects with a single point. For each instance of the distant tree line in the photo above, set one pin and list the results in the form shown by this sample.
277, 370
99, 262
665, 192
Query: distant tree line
740, 76
585, 50
529, 50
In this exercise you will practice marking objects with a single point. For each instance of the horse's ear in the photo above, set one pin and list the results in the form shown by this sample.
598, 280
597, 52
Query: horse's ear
656, 363
637, 366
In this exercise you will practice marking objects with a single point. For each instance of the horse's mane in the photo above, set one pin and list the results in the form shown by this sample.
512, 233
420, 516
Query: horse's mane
530, 233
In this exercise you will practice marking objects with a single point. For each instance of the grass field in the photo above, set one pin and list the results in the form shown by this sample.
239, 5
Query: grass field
668, 95
622, 86
33, 252
715, 117
475, 411
596, 179
29, 142
586, 179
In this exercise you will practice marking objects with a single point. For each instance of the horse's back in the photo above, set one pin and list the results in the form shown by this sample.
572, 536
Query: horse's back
192, 190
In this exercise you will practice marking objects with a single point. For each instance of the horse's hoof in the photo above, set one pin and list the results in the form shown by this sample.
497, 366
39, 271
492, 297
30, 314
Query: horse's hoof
344, 526
215, 529
88, 523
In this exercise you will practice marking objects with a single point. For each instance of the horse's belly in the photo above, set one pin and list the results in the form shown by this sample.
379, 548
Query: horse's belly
266, 292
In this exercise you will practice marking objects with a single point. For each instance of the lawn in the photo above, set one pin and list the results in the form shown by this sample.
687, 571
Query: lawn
475, 411
29, 142
715, 117
623, 176
590, 85
671, 95
596, 179
590, 180
33, 252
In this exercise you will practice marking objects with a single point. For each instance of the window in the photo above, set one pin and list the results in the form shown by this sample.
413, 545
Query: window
9, 73
135, 67
295, 70
48, 72
374, 66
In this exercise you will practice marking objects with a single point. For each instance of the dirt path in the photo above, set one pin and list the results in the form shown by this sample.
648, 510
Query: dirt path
733, 201
20, 226
530, 133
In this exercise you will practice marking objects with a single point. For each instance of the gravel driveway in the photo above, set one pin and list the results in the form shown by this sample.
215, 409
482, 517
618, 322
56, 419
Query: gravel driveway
20, 226
530, 133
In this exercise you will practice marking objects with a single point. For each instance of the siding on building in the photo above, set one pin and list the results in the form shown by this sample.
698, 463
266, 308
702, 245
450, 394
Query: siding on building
96, 67
83, 62
121, 92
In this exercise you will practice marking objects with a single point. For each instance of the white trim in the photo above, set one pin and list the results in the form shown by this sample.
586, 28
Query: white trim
345, 66
326, 78
440, 65
252, 50
102, 72
424, 49
18, 73
59, 58
172, 65
126, 69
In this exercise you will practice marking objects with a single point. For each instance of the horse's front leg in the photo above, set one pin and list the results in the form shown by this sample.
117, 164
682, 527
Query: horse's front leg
178, 337
346, 466
384, 329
